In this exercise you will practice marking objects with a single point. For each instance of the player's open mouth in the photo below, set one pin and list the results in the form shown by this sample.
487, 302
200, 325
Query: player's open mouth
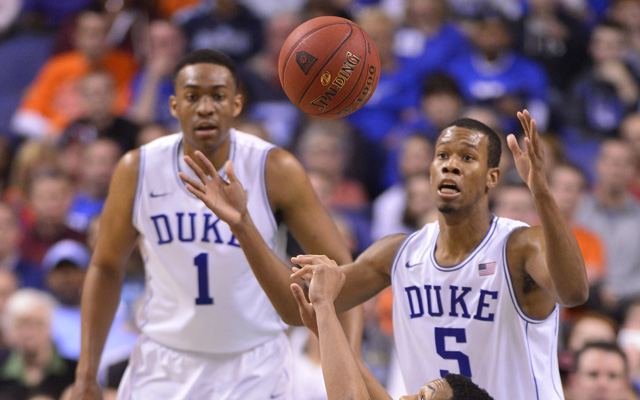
448, 189
206, 128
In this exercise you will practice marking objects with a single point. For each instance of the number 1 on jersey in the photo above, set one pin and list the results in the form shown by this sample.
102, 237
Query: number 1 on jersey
202, 262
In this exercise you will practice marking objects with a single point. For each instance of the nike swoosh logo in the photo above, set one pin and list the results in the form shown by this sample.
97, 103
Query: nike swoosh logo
159, 194
411, 265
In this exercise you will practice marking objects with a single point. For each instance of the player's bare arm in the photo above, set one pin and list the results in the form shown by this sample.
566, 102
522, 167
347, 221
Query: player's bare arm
292, 196
344, 375
103, 282
548, 254
365, 277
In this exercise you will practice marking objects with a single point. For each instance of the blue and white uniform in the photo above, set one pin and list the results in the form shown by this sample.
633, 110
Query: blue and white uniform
204, 314
466, 319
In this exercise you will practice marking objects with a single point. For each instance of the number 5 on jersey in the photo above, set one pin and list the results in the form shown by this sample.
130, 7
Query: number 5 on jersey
202, 263
460, 336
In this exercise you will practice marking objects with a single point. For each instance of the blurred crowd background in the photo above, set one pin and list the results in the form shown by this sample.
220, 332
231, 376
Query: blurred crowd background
83, 81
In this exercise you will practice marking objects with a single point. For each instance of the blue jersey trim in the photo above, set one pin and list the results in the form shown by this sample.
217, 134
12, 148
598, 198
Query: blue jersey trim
483, 243
533, 374
138, 194
554, 355
399, 253
512, 292
265, 192
176, 168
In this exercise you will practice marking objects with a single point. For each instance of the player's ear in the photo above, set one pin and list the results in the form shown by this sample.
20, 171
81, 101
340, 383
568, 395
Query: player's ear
238, 102
493, 176
173, 106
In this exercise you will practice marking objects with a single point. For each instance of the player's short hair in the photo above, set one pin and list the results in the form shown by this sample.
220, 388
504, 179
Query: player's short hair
609, 347
495, 144
207, 56
463, 388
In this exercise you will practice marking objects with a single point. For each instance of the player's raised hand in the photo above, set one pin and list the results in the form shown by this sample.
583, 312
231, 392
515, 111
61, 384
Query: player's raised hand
529, 163
227, 200
324, 275
307, 313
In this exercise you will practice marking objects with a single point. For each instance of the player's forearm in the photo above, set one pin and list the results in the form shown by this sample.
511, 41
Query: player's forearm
374, 387
563, 255
352, 322
273, 274
340, 369
100, 299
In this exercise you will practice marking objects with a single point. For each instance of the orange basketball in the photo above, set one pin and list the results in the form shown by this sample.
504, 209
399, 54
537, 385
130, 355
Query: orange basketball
329, 67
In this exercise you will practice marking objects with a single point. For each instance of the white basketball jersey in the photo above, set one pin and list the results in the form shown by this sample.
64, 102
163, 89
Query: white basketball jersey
201, 294
466, 319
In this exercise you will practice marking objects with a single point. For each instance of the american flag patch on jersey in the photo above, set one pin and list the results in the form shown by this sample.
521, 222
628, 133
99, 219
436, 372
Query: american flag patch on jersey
485, 269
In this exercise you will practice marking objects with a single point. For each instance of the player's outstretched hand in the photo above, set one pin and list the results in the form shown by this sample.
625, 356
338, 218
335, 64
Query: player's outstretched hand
529, 163
227, 200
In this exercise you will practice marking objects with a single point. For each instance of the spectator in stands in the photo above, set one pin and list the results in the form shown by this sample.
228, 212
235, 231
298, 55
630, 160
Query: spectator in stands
396, 92
388, 207
601, 372
419, 209
65, 266
324, 148
11, 260
8, 286
34, 366
224, 25
5, 162
590, 327
99, 161
604, 93
514, 201
568, 185
52, 101
549, 34
630, 131
426, 39
493, 74
629, 341
266, 101
97, 91
50, 196
153, 84
31, 159
614, 214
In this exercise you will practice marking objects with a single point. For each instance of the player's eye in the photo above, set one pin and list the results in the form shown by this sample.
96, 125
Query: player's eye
191, 96
218, 97
467, 157
442, 155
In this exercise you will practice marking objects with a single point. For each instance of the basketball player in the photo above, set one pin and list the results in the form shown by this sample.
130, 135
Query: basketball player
345, 376
473, 294
212, 327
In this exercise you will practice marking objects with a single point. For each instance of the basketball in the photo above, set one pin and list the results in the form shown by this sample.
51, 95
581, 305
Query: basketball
329, 67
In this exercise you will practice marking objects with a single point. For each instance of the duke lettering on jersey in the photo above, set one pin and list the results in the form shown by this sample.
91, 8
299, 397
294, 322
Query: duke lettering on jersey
457, 301
189, 227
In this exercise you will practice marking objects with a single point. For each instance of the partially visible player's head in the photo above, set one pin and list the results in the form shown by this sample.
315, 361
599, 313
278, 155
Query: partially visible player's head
467, 155
206, 99
451, 387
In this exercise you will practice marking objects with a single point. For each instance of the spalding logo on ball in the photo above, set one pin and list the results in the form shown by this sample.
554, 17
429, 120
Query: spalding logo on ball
329, 67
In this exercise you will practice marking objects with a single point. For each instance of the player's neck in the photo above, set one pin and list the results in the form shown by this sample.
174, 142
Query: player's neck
460, 235
217, 156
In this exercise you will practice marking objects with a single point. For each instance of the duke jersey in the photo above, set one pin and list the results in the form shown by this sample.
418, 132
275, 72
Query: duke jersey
201, 294
466, 319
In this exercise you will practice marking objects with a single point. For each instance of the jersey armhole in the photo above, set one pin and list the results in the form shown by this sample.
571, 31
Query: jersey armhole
138, 195
396, 257
265, 192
